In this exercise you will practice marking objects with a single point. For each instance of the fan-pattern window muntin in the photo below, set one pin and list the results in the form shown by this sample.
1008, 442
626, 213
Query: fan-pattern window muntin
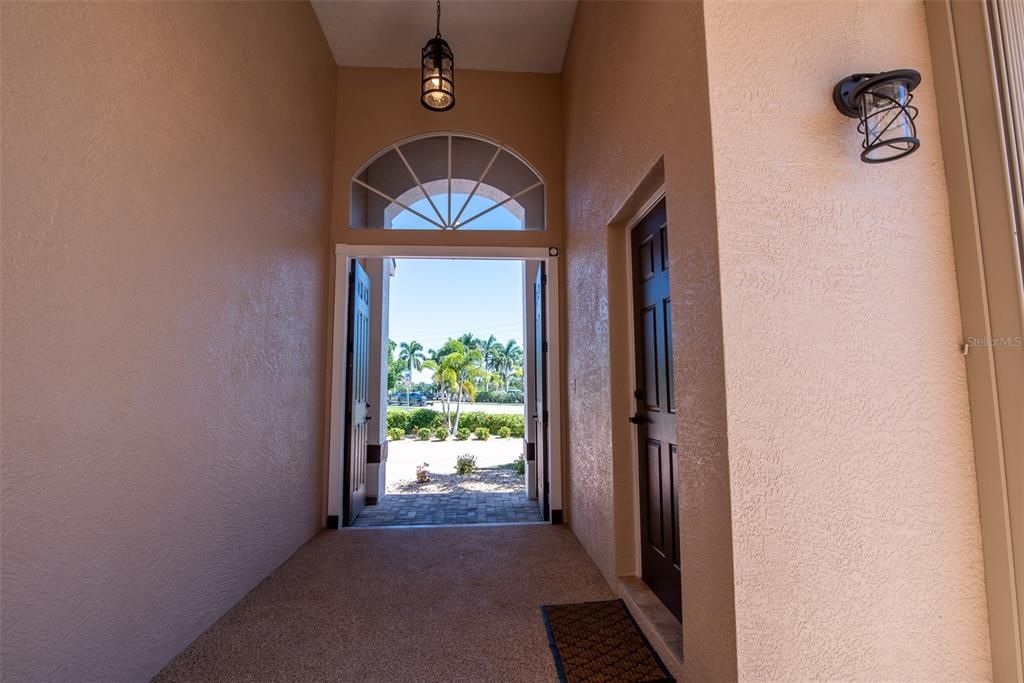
441, 178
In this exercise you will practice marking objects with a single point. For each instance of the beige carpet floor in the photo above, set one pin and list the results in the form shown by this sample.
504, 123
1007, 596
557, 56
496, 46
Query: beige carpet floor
432, 604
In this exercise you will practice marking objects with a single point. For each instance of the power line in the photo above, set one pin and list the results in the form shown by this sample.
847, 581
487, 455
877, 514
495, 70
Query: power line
490, 328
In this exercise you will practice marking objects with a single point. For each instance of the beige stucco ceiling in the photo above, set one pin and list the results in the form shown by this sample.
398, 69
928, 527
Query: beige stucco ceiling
496, 35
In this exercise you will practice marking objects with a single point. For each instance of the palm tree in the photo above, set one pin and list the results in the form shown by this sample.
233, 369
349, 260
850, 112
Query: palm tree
490, 348
469, 341
394, 366
444, 379
465, 366
509, 358
411, 355
455, 367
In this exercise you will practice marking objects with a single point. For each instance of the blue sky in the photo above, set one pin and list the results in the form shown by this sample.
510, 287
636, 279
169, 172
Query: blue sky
434, 299
498, 219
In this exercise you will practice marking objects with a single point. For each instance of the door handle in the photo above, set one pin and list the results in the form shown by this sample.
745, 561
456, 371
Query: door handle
639, 419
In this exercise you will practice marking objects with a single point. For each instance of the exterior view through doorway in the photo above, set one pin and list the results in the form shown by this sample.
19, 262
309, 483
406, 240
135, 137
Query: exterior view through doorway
449, 423
455, 389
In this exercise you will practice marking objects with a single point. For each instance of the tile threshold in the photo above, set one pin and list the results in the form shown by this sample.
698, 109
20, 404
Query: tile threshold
662, 629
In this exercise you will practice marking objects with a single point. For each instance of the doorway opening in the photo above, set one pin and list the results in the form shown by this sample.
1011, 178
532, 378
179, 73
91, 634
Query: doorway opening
456, 386
440, 410
649, 531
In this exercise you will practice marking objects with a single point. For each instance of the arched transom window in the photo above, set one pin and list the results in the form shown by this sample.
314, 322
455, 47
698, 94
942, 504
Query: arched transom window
447, 181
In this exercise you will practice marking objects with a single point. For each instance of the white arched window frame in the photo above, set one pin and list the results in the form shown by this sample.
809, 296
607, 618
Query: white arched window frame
440, 178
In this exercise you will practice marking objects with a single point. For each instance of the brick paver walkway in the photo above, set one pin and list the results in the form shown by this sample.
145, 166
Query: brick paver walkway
463, 507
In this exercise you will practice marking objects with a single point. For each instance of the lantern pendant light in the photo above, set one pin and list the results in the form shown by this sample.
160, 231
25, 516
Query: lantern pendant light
437, 87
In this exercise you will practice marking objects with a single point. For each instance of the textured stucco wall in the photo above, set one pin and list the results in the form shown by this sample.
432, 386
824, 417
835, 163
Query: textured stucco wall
521, 110
166, 187
855, 516
622, 115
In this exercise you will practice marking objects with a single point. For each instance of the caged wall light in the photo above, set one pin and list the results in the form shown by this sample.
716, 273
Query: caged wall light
882, 104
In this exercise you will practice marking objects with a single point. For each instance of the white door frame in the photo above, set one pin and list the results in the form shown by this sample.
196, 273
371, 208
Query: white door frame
343, 254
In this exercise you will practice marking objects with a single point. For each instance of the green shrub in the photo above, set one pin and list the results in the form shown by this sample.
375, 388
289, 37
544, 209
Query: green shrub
441, 433
513, 422
482, 433
465, 464
462, 434
474, 420
424, 417
424, 434
395, 434
398, 419
470, 420
412, 421
519, 465
510, 396
504, 432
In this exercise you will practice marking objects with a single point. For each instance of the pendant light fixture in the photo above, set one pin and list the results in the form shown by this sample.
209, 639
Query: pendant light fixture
437, 87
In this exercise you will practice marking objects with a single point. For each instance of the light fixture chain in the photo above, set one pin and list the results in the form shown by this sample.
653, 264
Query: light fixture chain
438, 18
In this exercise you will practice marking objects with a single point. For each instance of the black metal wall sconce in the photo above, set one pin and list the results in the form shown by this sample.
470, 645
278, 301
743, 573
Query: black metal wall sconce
882, 104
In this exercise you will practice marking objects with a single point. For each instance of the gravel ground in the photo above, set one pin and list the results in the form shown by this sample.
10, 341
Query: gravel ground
492, 479
405, 455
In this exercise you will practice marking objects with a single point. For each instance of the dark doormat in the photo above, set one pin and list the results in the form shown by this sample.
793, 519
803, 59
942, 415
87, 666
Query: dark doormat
599, 641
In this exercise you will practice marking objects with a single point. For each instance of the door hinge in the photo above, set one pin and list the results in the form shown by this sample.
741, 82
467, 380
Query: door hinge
545, 418
544, 347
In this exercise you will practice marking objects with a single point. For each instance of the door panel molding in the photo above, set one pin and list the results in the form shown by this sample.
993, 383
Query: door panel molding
357, 394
